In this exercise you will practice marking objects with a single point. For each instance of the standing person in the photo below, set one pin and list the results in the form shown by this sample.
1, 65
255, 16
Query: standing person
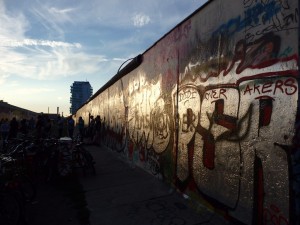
31, 124
4, 132
71, 124
48, 126
24, 127
91, 128
97, 133
39, 127
13, 128
60, 126
81, 128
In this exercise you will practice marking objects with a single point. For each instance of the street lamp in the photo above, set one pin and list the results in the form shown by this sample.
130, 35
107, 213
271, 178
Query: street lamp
124, 63
136, 61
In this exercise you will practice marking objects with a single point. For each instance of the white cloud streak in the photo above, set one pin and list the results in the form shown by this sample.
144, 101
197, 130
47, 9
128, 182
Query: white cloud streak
32, 42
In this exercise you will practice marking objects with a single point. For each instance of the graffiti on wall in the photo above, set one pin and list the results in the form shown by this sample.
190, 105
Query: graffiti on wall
229, 132
261, 17
147, 120
228, 125
230, 129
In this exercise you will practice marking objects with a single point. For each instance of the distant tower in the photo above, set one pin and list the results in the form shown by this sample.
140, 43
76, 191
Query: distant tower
81, 91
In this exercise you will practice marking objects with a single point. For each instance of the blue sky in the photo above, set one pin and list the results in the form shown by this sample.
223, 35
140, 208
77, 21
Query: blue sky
46, 45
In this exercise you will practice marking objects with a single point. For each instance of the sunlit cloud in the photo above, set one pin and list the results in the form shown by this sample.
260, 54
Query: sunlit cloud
63, 63
140, 20
38, 63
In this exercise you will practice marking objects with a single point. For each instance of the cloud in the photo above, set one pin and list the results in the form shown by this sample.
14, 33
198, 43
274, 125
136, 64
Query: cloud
54, 16
119, 59
51, 26
32, 42
13, 25
40, 59
29, 91
62, 14
48, 62
64, 62
140, 20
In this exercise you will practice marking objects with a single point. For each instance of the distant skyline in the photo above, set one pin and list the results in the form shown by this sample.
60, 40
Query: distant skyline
47, 45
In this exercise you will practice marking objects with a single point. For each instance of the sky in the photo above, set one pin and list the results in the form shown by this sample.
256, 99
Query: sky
46, 45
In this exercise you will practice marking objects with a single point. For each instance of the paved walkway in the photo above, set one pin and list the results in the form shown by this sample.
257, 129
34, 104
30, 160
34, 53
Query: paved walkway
120, 194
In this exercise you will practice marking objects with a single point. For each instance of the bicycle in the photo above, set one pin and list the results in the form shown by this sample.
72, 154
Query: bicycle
14, 178
15, 192
83, 159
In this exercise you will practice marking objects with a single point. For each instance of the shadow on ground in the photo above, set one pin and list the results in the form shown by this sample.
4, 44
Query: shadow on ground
59, 203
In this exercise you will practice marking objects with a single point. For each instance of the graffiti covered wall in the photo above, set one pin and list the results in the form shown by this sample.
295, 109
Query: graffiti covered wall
213, 110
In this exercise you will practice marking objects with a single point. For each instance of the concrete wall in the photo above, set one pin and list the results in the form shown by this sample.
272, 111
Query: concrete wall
213, 110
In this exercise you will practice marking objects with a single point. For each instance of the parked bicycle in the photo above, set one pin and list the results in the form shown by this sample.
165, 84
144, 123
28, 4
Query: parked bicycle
83, 159
15, 192
28, 161
76, 156
64, 157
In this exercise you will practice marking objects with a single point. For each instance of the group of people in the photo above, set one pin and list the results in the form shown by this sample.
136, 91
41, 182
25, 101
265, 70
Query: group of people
41, 127
58, 127
11, 128
94, 130
45, 127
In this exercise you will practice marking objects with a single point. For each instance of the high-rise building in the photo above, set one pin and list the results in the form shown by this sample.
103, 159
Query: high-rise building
81, 91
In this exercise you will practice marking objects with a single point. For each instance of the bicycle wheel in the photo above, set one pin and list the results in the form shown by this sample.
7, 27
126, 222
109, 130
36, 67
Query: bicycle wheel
10, 209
